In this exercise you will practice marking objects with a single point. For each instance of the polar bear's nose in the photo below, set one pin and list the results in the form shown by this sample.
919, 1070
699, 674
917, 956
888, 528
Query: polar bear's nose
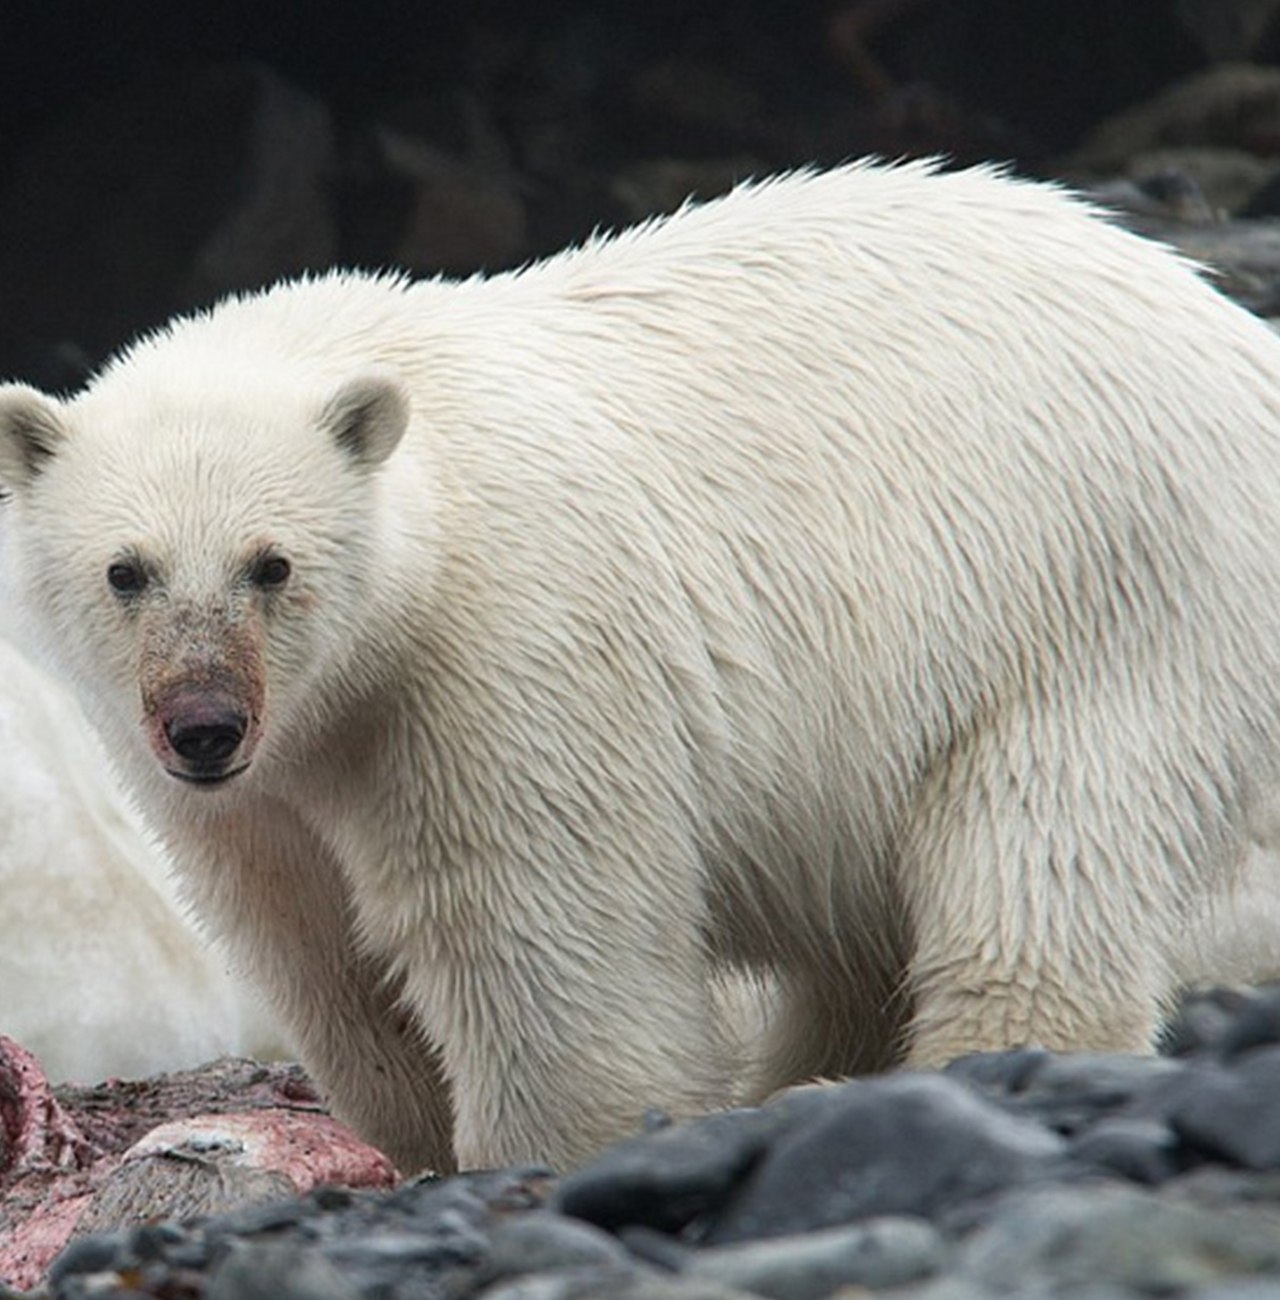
206, 742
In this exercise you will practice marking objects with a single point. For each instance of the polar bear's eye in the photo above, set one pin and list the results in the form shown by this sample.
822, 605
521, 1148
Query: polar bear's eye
270, 571
126, 577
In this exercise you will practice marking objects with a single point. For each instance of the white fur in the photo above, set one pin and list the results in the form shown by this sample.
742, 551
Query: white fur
872, 578
100, 973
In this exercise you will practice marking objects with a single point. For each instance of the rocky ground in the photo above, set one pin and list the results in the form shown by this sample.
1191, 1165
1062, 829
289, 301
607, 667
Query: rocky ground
1023, 1174
77, 1159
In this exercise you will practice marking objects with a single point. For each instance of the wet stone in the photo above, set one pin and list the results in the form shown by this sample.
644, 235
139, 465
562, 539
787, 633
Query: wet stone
1216, 1187
669, 1254
89, 1255
392, 1252
1141, 1150
156, 1240
1000, 1072
665, 1179
1115, 1236
963, 1288
450, 1217
277, 1271
1071, 1092
1256, 1025
1029, 1174
1205, 1018
1240, 1288
611, 1284
533, 1243
910, 1144
877, 1253
1235, 1114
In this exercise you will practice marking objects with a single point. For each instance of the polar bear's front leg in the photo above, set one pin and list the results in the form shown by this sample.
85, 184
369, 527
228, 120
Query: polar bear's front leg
274, 893
562, 1022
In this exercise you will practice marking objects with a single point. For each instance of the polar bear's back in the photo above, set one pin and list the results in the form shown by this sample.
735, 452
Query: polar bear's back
954, 432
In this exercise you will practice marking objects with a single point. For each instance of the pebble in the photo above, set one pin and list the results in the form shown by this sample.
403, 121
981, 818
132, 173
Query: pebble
1011, 1176
1256, 1024
1237, 1114
808, 1266
666, 1178
277, 1271
533, 1243
613, 1284
1142, 1150
906, 1144
1118, 1236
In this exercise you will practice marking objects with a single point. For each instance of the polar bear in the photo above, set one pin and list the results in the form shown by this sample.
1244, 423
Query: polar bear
871, 578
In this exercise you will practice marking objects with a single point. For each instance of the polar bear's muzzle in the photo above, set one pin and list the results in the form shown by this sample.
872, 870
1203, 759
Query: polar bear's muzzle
202, 735
206, 734
202, 698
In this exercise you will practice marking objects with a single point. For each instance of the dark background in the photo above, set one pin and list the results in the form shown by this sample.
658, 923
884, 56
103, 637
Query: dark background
155, 155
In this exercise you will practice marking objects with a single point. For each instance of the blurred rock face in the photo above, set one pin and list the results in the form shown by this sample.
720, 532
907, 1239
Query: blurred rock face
157, 159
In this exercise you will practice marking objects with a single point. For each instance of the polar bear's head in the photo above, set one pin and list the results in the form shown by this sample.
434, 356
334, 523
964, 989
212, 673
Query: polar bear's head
195, 559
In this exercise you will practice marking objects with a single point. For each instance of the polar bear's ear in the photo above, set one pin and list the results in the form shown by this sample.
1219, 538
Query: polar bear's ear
31, 430
367, 417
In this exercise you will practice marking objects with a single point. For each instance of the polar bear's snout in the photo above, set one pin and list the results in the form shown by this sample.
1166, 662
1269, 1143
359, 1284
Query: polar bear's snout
201, 732
206, 733
202, 697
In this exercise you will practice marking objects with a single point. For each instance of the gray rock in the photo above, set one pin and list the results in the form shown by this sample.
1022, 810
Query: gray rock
1243, 257
610, 1284
1227, 178
1239, 1288
565, 1284
948, 1288
906, 1144
1173, 198
532, 1243
1235, 1114
1000, 1072
1141, 1150
89, 1255
1072, 1090
439, 1232
669, 1254
1205, 1019
455, 1213
1114, 1108
1236, 105
277, 1271
385, 1255
1212, 1188
878, 1253
666, 1179
1111, 1235
1255, 1024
